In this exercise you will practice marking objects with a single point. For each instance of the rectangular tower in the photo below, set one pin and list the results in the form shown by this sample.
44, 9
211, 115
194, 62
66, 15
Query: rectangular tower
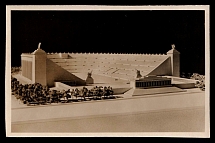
39, 66
175, 61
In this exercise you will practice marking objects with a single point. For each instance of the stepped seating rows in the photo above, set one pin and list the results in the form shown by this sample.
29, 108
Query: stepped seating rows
98, 60
110, 64
118, 66
117, 76
94, 56
121, 76
133, 66
104, 69
55, 58
111, 70
81, 60
131, 73
60, 60
101, 69
138, 62
85, 66
87, 69
109, 57
126, 72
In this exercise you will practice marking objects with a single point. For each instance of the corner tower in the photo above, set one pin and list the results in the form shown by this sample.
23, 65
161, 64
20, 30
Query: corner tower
39, 66
175, 61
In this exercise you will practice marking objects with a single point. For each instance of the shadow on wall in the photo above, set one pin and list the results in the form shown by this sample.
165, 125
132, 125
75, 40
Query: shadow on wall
57, 73
163, 69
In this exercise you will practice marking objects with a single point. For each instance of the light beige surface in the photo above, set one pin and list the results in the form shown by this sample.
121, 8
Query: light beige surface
105, 107
178, 120
157, 113
120, 66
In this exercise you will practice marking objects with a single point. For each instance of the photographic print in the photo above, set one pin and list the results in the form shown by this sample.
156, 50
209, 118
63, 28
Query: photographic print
107, 71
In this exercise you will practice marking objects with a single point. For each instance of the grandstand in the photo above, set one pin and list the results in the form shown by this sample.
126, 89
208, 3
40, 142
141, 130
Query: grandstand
110, 66
118, 66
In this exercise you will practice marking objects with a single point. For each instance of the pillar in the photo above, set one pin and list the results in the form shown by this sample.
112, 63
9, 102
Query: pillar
175, 61
39, 66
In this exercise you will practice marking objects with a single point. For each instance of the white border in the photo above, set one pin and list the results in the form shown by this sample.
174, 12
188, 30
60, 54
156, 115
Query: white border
205, 134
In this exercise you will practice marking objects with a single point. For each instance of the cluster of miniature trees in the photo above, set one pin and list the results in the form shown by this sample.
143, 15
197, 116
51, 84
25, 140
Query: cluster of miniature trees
35, 94
15, 70
200, 80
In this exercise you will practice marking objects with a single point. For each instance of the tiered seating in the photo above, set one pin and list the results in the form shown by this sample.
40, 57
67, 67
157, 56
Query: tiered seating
58, 60
126, 72
100, 70
111, 70
53, 56
137, 62
121, 66
122, 76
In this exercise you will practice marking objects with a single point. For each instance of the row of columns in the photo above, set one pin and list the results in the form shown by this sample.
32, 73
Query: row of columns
27, 69
153, 83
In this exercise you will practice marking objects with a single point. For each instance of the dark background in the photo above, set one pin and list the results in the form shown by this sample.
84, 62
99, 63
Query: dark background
124, 31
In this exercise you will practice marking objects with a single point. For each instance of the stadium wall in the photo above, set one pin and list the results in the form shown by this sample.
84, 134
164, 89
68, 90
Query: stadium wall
56, 73
163, 69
